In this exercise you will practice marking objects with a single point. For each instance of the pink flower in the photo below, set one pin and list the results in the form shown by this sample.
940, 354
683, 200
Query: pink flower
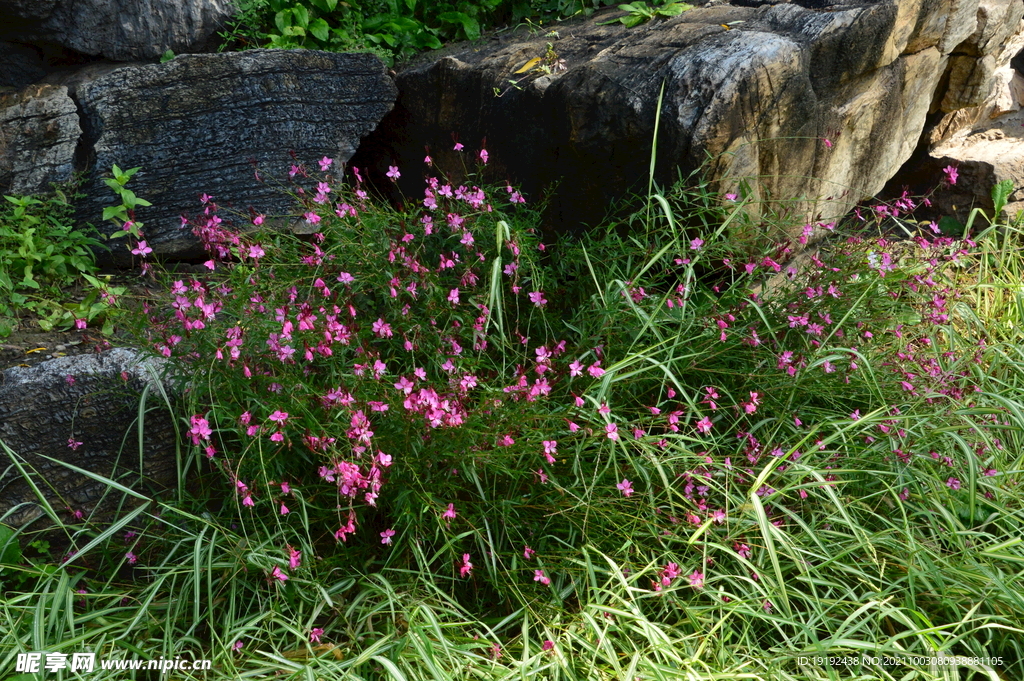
200, 429
131, 558
453, 296
626, 487
696, 244
325, 163
704, 425
537, 298
346, 278
466, 567
697, 579
284, 509
539, 576
595, 370
951, 173
247, 501
528, 552
386, 535
314, 634
612, 431
80, 323
279, 575
74, 444
550, 449
236, 646
311, 217
449, 513
458, 146
953, 484
742, 549
483, 156
142, 249
294, 558
279, 416
393, 173
285, 488
548, 645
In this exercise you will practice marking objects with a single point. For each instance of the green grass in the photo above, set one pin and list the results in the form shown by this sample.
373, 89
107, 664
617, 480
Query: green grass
862, 538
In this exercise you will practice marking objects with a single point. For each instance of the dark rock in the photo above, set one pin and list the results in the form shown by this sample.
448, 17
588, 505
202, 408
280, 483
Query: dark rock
40, 410
39, 131
20, 65
198, 124
802, 103
117, 29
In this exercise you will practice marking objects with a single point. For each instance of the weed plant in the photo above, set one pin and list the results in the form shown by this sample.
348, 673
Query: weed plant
425, 444
44, 261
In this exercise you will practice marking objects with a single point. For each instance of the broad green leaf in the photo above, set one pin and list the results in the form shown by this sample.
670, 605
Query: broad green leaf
320, 29
301, 15
283, 20
1000, 195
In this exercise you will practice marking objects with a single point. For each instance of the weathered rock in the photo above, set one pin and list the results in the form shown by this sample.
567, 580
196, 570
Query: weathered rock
39, 131
800, 102
199, 123
20, 65
984, 140
41, 410
118, 29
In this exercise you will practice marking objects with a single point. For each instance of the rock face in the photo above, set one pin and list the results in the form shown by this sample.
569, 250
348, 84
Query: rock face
41, 409
39, 132
980, 128
116, 29
797, 101
199, 123
20, 65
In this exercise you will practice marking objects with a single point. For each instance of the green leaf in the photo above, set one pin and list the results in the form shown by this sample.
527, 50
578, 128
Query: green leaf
301, 15
283, 20
470, 26
320, 29
10, 551
1000, 195
325, 5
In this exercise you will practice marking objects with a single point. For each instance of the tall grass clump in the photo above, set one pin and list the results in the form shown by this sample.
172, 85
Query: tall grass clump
425, 444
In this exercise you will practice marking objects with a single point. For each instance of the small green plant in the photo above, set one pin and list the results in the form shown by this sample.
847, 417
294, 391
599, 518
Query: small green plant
640, 12
43, 259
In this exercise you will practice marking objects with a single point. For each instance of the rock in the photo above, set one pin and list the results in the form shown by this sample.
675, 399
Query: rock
983, 140
39, 132
20, 65
40, 410
118, 29
198, 124
799, 102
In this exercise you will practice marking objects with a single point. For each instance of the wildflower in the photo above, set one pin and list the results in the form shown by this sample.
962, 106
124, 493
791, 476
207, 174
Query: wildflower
311, 217
458, 146
466, 567
953, 484
951, 174
548, 645
595, 370
767, 607
697, 579
449, 513
279, 575
247, 501
483, 156
314, 634
537, 298
612, 431
131, 558
279, 416
142, 249
74, 444
284, 509
626, 487
285, 488
528, 552
200, 429
704, 425
742, 549
393, 173
294, 558
236, 646
696, 244
453, 296
550, 449
325, 163
386, 535
539, 576
718, 516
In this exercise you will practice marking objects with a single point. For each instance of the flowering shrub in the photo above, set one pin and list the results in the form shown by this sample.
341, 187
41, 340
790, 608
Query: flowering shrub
657, 427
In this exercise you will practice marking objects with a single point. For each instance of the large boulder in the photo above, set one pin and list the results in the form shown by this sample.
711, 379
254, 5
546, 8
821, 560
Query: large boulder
20, 65
814, 106
117, 29
203, 123
39, 131
88, 399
